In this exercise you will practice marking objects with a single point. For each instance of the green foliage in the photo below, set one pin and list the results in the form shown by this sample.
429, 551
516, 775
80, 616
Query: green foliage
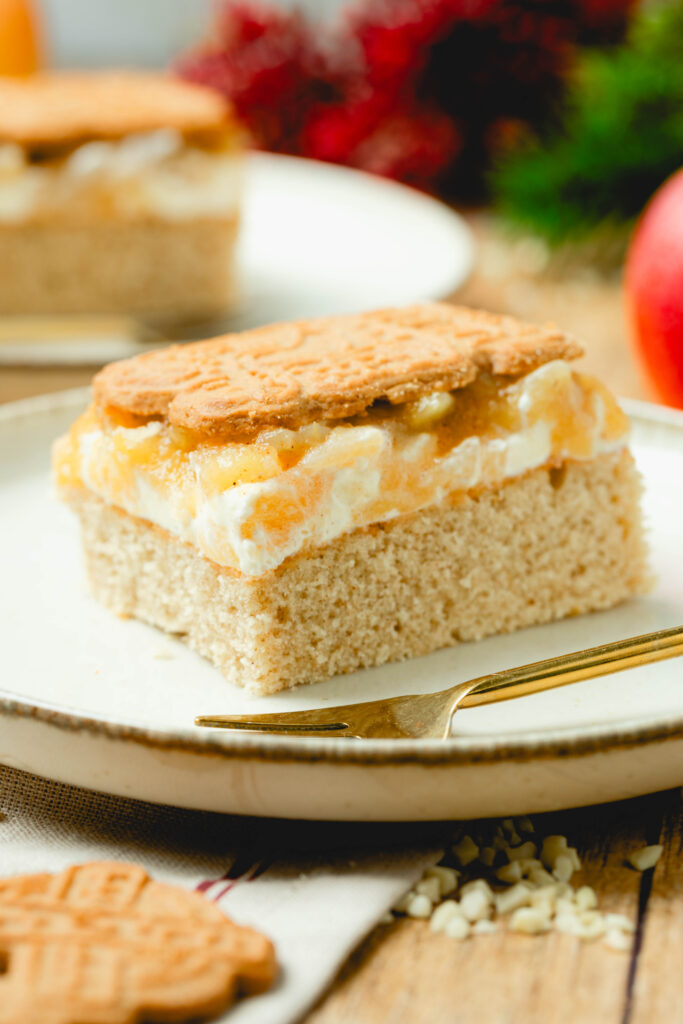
621, 136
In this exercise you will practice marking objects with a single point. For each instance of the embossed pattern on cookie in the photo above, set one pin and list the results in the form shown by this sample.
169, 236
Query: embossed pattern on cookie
291, 374
103, 943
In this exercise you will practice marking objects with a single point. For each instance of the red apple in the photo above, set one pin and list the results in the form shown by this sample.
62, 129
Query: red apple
654, 290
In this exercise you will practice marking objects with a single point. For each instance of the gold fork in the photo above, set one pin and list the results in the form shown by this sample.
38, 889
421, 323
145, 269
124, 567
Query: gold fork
430, 714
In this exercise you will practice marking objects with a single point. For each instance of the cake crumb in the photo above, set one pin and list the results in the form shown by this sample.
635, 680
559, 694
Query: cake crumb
163, 654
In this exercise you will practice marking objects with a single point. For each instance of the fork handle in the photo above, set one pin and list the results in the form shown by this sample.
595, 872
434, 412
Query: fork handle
571, 668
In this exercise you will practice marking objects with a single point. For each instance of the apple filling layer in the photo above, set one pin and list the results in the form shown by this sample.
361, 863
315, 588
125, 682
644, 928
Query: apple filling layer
249, 505
158, 174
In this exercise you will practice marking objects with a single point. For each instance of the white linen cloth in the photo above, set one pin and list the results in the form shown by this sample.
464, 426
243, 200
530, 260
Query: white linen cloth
315, 889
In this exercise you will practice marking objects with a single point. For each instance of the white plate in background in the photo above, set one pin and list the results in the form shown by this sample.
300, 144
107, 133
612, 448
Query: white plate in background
316, 239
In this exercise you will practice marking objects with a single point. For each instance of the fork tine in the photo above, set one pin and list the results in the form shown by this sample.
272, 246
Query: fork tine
318, 720
412, 715
429, 715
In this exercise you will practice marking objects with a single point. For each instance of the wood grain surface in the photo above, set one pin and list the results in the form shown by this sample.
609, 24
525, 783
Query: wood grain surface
405, 974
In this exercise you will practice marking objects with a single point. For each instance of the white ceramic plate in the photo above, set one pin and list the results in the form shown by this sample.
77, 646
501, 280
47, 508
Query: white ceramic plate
96, 701
316, 239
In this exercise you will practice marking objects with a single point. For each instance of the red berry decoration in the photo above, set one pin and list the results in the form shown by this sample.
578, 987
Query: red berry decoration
602, 21
419, 90
654, 290
262, 59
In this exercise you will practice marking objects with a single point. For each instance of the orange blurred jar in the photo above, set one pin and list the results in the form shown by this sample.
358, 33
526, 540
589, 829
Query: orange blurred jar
20, 40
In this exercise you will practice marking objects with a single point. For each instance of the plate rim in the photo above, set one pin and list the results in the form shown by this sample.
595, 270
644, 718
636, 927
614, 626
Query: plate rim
539, 745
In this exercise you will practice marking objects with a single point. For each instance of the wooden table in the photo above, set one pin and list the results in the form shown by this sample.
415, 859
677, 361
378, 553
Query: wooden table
403, 973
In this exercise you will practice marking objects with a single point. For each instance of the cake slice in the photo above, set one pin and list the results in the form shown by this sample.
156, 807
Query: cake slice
310, 498
119, 193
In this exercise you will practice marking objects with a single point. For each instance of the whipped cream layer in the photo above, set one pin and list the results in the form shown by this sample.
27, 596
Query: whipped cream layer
156, 174
250, 506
